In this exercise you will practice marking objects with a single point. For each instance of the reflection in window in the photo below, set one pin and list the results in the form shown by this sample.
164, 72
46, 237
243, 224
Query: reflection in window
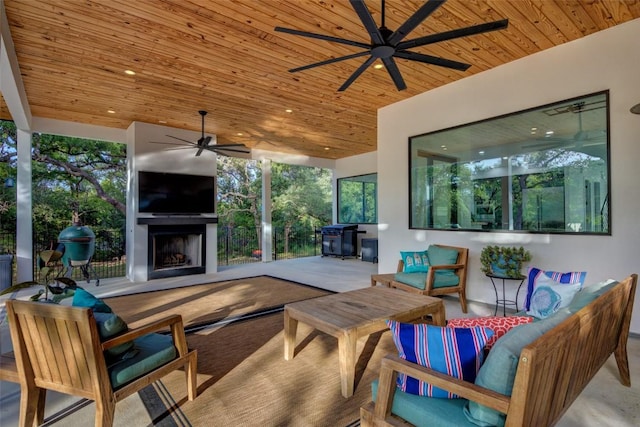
358, 199
541, 170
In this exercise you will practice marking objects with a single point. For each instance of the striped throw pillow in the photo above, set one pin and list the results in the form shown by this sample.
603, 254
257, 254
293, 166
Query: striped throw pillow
457, 352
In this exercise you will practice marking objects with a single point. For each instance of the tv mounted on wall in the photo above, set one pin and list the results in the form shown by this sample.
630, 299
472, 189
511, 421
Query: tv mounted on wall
176, 194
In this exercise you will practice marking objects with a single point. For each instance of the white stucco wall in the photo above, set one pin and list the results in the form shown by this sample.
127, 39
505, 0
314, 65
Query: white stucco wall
145, 156
605, 60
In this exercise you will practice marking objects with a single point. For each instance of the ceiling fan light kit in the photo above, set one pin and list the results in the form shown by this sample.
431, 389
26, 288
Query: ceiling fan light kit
387, 44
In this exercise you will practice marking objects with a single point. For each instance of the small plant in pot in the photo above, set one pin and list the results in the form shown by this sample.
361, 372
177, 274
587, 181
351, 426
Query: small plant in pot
504, 261
59, 287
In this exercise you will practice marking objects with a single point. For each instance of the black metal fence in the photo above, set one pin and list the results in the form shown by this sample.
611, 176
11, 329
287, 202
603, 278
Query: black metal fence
236, 245
240, 245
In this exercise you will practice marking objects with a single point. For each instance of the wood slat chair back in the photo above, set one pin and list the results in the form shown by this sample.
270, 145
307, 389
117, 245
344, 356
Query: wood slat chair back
460, 269
58, 348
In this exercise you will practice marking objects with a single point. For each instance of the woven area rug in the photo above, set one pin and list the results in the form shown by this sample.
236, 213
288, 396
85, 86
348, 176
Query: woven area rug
212, 302
243, 379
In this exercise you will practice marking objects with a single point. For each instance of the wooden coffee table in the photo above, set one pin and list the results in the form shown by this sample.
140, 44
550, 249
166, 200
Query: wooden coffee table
349, 316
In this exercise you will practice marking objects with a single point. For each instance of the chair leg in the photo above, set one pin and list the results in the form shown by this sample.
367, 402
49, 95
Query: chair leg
463, 301
31, 405
192, 380
105, 411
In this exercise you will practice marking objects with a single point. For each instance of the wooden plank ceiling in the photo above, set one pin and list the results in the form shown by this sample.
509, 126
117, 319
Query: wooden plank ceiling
225, 57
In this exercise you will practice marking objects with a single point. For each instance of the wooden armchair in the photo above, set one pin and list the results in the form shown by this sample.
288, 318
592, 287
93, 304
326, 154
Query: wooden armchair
59, 348
431, 286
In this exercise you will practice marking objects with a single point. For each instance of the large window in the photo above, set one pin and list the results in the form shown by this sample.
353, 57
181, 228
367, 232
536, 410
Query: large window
358, 199
541, 170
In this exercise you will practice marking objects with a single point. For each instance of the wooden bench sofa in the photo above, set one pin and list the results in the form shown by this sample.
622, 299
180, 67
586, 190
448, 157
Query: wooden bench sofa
549, 372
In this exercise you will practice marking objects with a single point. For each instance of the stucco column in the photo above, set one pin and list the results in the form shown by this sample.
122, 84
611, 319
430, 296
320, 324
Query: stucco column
267, 231
24, 226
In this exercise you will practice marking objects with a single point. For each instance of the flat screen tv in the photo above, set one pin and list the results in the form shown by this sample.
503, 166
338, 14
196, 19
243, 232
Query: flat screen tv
176, 194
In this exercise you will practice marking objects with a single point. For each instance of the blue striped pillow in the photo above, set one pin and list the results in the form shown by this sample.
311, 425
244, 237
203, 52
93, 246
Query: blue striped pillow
569, 278
457, 352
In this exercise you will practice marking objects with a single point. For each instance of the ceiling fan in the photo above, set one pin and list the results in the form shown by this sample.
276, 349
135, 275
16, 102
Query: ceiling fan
386, 44
204, 143
577, 140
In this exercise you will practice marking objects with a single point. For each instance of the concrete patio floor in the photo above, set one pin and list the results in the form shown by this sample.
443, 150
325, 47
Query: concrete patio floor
605, 402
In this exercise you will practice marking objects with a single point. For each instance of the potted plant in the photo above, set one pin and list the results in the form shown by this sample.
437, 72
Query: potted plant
504, 261
59, 287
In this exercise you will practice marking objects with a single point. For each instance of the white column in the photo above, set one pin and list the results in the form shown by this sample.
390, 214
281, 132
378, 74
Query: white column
24, 226
267, 232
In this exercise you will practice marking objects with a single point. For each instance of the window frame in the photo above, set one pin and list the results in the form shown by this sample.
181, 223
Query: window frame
339, 203
422, 191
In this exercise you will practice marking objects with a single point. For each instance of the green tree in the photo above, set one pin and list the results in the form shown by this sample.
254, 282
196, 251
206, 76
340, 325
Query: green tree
73, 180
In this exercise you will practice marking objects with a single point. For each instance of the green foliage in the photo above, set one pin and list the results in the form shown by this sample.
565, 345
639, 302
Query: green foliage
47, 261
505, 258
72, 178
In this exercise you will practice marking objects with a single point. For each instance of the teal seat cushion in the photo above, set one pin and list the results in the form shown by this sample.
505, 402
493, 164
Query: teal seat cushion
149, 352
442, 256
499, 369
419, 280
423, 411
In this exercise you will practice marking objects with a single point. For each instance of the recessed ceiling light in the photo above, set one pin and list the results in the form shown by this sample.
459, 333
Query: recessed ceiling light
288, 110
239, 134
443, 146
549, 132
130, 72
111, 111
378, 66
481, 152
327, 148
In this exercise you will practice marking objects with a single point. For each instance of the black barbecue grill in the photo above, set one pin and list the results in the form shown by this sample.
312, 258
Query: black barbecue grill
339, 240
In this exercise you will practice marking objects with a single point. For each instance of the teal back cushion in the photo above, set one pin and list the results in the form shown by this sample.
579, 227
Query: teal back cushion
442, 256
82, 298
111, 325
499, 369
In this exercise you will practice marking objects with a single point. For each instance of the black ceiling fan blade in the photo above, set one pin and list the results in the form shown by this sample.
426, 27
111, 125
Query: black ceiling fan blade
322, 37
329, 61
172, 143
414, 20
433, 60
367, 21
394, 72
454, 34
357, 73
223, 147
180, 139
229, 145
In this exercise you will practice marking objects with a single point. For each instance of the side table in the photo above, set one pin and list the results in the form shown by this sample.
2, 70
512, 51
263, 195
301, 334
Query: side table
504, 301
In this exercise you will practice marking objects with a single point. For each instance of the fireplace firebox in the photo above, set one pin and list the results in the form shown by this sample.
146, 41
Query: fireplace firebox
176, 250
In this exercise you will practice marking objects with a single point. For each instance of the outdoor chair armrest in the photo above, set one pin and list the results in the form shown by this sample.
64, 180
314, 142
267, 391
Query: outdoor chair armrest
392, 365
174, 322
447, 267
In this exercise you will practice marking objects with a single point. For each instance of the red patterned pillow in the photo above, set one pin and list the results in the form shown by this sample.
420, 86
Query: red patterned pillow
499, 325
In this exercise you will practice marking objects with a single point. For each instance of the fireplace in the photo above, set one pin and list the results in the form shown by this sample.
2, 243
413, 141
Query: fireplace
176, 250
